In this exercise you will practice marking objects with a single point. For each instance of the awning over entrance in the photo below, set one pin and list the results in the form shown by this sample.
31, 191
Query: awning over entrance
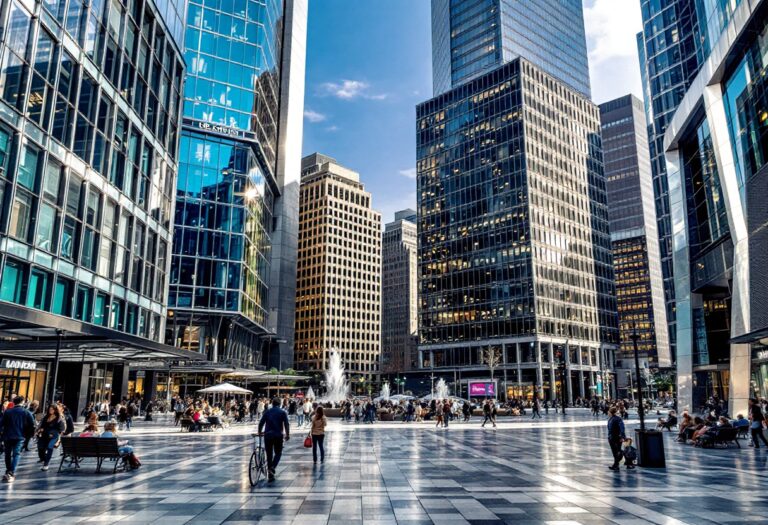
32, 334
756, 336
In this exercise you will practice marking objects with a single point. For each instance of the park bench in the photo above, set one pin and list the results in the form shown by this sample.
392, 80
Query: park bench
187, 424
721, 436
77, 448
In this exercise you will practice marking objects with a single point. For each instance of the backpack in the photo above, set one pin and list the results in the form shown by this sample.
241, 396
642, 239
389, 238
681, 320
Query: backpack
133, 461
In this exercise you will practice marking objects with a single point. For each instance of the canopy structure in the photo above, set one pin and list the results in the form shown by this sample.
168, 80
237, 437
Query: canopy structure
224, 388
429, 397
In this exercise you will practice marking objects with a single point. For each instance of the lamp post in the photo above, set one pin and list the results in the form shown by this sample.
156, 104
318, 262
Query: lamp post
641, 406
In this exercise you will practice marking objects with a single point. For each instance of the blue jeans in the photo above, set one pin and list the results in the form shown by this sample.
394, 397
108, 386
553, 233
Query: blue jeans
12, 454
317, 442
45, 447
300, 418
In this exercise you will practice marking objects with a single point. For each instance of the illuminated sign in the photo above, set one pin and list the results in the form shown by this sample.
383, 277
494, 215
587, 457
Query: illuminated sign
482, 389
17, 364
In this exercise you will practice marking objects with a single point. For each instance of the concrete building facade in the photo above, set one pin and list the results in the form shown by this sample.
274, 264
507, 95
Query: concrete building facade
399, 297
338, 288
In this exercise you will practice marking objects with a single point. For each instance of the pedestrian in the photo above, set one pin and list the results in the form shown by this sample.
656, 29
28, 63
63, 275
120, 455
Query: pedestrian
447, 413
758, 422
317, 431
536, 408
272, 423
488, 414
16, 424
438, 414
466, 410
615, 436
306, 409
51, 427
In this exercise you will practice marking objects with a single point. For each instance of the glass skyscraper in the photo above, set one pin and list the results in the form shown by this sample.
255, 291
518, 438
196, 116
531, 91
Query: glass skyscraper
228, 184
89, 126
716, 176
514, 251
634, 238
677, 37
471, 37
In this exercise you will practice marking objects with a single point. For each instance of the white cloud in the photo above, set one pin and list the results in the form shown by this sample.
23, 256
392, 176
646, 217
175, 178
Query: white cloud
611, 26
332, 128
410, 173
313, 116
350, 89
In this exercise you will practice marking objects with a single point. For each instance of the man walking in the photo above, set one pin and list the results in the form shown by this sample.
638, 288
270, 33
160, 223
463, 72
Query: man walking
272, 423
16, 424
615, 436
536, 408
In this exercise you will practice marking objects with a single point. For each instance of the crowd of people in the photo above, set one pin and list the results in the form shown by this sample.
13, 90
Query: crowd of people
22, 420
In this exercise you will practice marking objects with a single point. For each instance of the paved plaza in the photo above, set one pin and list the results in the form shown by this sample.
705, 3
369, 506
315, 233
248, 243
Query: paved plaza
553, 472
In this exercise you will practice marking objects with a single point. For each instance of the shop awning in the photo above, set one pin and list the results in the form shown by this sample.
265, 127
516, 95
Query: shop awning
756, 336
32, 334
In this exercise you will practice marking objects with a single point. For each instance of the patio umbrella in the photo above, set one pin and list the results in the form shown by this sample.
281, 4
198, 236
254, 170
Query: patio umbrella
224, 388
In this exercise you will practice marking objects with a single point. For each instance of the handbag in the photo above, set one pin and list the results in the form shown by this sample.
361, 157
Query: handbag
308, 441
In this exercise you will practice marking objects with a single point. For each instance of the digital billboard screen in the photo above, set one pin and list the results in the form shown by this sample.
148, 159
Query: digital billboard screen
482, 389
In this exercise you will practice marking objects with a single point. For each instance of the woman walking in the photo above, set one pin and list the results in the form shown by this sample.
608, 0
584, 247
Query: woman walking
318, 434
48, 432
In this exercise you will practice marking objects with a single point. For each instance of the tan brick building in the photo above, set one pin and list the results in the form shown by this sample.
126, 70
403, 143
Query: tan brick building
338, 289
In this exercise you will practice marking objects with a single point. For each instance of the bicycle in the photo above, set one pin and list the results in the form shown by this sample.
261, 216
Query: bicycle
257, 467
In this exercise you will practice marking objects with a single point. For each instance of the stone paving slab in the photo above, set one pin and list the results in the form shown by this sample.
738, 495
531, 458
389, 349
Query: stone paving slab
400, 474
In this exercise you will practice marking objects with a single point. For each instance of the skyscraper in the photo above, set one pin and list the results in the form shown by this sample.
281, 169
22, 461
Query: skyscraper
715, 160
472, 37
514, 251
669, 62
89, 123
634, 239
399, 298
232, 176
338, 289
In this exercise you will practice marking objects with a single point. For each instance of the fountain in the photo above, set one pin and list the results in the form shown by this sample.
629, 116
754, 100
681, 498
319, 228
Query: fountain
310, 394
441, 389
335, 381
384, 392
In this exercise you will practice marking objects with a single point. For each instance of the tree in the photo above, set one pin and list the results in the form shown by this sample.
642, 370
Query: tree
491, 358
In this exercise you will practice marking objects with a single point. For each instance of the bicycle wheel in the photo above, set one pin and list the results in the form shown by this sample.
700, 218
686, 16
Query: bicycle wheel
254, 469
261, 461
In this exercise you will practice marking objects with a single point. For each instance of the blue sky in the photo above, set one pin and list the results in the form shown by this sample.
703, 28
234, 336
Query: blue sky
369, 64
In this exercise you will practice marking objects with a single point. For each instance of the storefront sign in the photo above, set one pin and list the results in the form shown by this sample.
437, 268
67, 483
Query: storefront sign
17, 364
148, 365
219, 129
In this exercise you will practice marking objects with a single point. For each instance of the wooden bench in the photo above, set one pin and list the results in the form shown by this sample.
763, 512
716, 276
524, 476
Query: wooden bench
78, 448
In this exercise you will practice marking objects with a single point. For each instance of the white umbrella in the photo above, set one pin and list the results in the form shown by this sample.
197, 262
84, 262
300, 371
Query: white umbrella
224, 388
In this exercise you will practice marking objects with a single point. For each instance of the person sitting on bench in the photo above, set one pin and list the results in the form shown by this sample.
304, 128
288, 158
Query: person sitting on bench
667, 423
110, 431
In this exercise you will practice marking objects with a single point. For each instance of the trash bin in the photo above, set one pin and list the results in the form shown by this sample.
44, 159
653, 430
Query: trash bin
650, 448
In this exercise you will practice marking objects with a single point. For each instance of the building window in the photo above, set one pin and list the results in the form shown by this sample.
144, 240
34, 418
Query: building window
12, 282
62, 297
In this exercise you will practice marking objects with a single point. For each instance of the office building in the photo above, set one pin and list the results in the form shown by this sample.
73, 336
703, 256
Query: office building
399, 298
634, 241
715, 161
89, 125
514, 250
472, 37
235, 162
338, 288
670, 47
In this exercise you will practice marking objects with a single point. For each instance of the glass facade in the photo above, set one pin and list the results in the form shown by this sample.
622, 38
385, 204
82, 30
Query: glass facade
472, 37
89, 119
513, 233
226, 187
668, 46
632, 216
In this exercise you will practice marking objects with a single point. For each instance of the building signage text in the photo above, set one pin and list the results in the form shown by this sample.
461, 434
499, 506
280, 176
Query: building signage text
17, 364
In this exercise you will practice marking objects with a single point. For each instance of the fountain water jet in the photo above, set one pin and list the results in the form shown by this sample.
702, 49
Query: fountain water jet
385, 392
335, 380
441, 389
